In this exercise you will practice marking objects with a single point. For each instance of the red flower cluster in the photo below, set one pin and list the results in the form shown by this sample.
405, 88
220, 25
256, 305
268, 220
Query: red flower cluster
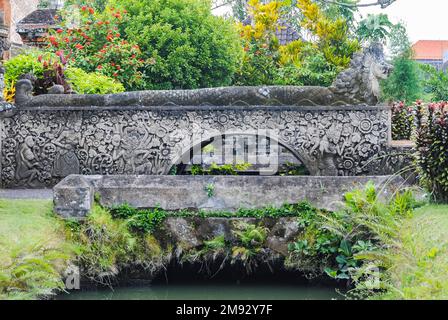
97, 45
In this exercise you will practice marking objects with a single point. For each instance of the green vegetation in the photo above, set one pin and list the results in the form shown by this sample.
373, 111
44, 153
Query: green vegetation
32, 63
337, 242
139, 220
404, 84
405, 250
157, 215
186, 46
107, 246
92, 83
431, 144
418, 262
215, 169
435, 83
33, 250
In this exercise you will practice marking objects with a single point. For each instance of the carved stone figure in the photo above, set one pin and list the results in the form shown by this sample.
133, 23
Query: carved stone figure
69, 140
27, 162
357, 85
360, 83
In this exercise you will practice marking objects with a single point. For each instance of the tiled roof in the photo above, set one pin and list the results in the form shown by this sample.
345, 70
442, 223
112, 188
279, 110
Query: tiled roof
430, 49
39, 17
285, 34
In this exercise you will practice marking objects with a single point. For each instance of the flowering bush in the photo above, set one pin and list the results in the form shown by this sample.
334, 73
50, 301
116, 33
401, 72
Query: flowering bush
402, 121
432, 148
97, 45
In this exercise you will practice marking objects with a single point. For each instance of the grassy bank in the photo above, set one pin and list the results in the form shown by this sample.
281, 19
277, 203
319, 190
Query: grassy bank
33, 250
419, 264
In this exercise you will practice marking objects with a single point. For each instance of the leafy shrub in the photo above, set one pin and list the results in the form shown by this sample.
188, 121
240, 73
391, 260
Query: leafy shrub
92, 83
184, 44
431, 148
22, 64
402, 121
25, 63
404, 83
140, 220
300, 62
105, 245
435, 83
46, 68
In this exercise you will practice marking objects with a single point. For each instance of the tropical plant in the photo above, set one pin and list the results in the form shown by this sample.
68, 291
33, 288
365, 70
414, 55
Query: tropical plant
337, 242
431, 148
402, 121
331, 34
374, 28
404, 83
435, 83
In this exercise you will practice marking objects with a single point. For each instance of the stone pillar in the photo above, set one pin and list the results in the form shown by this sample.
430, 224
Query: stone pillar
4, 46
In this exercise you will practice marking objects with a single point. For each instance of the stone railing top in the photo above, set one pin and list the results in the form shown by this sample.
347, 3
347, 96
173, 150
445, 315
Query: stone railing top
206, 98
357, 85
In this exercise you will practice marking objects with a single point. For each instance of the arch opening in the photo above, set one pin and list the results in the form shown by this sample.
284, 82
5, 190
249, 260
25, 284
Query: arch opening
239, 154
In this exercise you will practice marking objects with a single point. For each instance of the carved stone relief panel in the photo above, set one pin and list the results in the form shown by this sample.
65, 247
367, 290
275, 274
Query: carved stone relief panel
40, 147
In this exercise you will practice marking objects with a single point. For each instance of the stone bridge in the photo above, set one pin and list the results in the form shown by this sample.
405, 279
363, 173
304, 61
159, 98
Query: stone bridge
46, 138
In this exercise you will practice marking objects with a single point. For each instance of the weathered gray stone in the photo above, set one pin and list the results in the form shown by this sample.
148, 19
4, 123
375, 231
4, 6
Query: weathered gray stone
230, 192
56, 89
40, 146
73, 197
182, 232
282, 233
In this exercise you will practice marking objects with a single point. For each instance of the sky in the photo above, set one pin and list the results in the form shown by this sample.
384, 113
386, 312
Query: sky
424, 19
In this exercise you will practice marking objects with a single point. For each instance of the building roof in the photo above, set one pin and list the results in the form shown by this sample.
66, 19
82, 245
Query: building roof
285, 33
38, 19
430, 49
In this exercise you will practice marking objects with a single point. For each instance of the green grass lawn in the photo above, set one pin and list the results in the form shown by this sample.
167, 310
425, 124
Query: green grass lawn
420, 265
33, 250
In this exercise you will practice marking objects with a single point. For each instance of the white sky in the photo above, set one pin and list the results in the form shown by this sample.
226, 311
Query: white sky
424, 19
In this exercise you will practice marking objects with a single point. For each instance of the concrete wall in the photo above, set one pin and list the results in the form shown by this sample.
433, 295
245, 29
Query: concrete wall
74, 195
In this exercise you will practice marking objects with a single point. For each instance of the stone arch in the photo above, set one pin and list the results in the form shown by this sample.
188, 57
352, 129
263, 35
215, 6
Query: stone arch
198, 144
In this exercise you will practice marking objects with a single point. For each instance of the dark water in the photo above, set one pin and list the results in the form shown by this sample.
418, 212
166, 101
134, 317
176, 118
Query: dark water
208, 292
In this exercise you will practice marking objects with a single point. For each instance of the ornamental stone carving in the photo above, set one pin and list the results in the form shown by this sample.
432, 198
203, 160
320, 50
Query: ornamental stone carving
42, 145
333, 131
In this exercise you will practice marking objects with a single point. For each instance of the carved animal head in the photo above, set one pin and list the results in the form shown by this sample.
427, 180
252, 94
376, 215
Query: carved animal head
361, 82
24, 90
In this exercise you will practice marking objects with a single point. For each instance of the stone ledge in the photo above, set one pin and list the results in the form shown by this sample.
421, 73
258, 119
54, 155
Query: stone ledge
73, 196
